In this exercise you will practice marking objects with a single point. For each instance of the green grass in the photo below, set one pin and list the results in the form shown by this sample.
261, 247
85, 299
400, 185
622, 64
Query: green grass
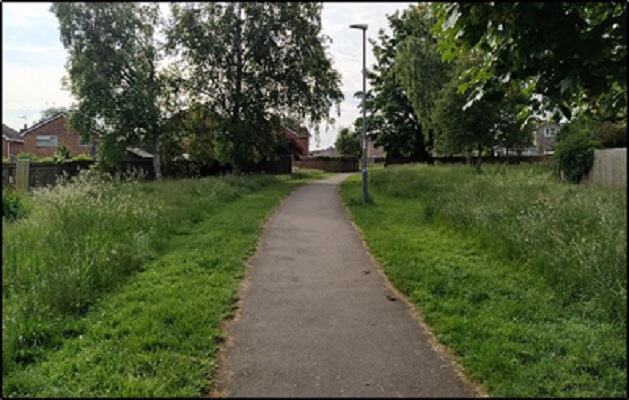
118, 289
522, 277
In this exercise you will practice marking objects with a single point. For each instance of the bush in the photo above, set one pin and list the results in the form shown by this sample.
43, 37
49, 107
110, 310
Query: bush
574, 152
83, 157
12, 205
26, 156
62, 153
611, 134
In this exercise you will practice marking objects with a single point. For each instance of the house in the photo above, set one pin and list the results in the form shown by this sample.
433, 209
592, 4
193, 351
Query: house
43, 138
544, 137
298, 143
303, 137
11, 142
374, 153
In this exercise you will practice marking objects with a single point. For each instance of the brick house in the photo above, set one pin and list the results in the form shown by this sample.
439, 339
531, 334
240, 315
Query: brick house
301, 136
43, 138
11, 141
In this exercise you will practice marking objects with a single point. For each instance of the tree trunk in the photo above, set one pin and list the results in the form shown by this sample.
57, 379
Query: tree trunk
479, 158
157, 161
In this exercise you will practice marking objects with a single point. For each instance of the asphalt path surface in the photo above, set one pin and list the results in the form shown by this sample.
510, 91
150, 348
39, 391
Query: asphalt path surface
317, 317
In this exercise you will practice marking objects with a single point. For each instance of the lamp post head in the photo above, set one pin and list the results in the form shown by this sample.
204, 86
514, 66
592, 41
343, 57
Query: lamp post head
359, 26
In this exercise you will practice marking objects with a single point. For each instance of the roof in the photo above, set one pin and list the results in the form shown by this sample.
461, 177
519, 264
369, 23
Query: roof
139, 152
41, 123
287, 129
293, 142
9, 132
300, 132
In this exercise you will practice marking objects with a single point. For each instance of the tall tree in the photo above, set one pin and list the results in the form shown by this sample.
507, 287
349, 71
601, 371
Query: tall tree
464, 129
392, 122
113, 71
572, 54
419, 68
250, 63
348, 143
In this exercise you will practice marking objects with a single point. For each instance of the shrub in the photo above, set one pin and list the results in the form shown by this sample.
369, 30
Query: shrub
47, 160
611, 134
83, 157
574, 152
12, 205
26, 156
62, 153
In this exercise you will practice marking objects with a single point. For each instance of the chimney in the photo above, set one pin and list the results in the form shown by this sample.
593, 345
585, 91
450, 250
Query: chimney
23, 129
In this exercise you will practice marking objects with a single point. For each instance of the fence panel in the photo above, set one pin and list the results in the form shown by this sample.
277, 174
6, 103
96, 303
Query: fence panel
609, 168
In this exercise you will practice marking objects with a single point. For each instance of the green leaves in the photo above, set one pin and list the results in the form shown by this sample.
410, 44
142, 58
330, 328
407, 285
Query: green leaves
393, 122
112, 69
348, 143
249, 62
572, 49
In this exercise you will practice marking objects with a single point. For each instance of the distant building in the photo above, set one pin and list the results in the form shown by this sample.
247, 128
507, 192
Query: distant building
330, 151
544, 137
43, 138
12, 143
374, 153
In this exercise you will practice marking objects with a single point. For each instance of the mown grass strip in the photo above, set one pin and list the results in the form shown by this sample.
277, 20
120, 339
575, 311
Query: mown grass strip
157, 333
446, 236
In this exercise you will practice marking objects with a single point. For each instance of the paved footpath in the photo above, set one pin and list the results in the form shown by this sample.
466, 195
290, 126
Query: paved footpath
317, 318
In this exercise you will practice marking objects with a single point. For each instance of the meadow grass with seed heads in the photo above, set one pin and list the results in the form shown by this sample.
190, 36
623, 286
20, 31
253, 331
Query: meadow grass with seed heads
521, 276
118, 288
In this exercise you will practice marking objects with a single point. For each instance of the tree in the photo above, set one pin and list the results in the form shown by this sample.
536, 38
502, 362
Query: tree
49, 112
392, 123
348, 143
113, 71
574, 55
464, 130
251, 62
419, 68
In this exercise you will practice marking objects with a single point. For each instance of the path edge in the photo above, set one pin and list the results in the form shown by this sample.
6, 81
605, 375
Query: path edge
414, 310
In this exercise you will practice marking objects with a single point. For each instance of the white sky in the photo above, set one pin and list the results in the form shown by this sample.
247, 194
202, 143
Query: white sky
33, 59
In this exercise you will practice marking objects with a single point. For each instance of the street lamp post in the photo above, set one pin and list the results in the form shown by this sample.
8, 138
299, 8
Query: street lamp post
363, 27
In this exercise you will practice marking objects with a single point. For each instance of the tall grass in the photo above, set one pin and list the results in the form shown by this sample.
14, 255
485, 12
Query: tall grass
521, 276
83, 239
79, 240
574, 236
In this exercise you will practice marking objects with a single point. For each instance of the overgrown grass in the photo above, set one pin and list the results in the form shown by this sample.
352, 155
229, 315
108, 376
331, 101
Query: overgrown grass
118, 289
523, 277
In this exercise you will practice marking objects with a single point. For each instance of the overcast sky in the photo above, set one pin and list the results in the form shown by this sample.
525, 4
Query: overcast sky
33, 59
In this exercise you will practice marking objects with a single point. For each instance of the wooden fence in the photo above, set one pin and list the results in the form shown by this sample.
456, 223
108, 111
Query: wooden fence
609, 168
327, 165
25, 174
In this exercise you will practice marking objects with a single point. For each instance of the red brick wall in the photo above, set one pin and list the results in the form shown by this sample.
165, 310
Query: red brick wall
57, 126
15, 147
305, 142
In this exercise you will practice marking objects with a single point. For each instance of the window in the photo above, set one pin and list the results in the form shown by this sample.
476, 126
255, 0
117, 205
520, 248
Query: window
47, 141
548, 132
87, 142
